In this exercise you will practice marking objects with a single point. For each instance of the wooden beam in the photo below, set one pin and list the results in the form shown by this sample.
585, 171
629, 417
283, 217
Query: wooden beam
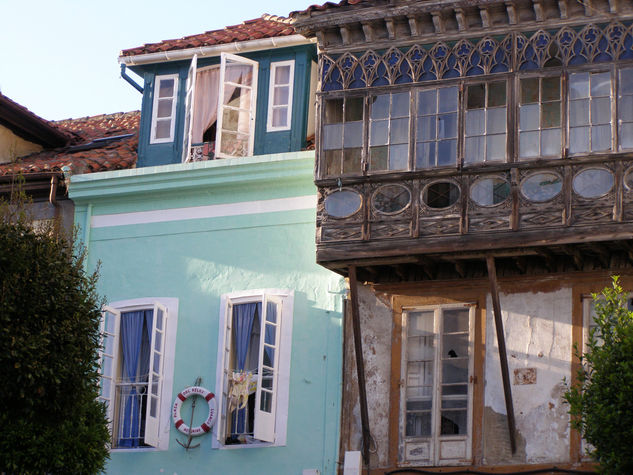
576, 255
360, 365
503, 355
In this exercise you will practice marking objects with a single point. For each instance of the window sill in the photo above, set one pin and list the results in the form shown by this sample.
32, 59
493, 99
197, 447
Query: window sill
140, 449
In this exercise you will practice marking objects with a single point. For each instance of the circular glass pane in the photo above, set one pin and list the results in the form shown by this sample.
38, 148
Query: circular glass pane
628, 180
391, 199
341, 204
593, 182
441, 194
490, 191
541, 186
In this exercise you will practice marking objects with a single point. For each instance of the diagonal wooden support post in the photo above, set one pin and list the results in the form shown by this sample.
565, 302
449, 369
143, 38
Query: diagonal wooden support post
501, 343
360, 365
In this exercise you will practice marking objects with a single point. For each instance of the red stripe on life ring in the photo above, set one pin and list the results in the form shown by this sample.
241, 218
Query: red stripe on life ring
205, 427
209, 397
181, 397
179, 422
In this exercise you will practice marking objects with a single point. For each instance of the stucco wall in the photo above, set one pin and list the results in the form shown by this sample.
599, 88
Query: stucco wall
12, 146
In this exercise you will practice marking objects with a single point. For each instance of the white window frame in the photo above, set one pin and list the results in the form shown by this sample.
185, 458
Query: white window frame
433, 446
271, 95
190, 97
286, 298
168, 360
172, 116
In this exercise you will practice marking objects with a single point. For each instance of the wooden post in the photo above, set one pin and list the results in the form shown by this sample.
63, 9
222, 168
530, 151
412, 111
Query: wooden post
360, 365
501, 343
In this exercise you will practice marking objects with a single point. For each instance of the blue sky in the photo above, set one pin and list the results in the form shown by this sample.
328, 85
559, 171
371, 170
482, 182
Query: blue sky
59, 58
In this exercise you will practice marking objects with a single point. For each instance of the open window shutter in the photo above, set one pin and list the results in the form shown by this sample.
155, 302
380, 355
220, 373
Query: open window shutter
108, 358
236, 107
189, 101
268, 370
155, 380
223, 389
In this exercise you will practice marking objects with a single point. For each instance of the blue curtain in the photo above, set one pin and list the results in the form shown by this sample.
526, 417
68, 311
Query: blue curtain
135, 344
243, 318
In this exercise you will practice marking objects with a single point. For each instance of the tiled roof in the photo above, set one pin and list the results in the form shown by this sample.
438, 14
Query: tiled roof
267, 26
106, 142
327, 6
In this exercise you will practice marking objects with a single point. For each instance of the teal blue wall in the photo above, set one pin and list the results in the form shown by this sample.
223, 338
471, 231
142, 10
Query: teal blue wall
265, 142
197, 261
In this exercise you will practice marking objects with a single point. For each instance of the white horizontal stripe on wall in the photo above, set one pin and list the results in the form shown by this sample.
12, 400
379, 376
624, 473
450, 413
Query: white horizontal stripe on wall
209, 211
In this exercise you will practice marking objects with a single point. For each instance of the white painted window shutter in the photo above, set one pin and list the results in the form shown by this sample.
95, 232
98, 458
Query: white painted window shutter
268, 370
223, 390
155, 380
108, 358
189, 102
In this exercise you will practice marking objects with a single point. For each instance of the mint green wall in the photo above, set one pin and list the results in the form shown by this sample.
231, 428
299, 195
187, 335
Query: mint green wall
196, 261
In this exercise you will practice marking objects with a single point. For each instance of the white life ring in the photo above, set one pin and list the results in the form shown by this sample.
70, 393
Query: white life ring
206, 425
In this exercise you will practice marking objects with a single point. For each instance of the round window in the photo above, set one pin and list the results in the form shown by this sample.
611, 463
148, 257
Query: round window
490, 191
342, 204
391, 199
440, 194
593, 182
541, 186
628, 180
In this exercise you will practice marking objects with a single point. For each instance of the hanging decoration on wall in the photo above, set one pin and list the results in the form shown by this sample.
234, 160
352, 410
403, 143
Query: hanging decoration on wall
189, 430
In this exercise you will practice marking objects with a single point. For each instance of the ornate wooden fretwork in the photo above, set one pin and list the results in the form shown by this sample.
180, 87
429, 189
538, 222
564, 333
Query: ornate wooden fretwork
467, 57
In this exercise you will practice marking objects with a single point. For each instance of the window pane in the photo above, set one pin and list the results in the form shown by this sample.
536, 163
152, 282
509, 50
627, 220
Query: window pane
454, 423
601, 137
420, 348
378, 132
240, 97
266, 401
418, 424
239, 74
476, 96
280, 95
495, 147
108, 344
447, 126
475, 122
529, 91
455, 345
550, 142
427, 102
496, 120
163, 129
626, 81
551, 115
332, 137
447, 99
106, 366
426, 128
333, 111
579, 112
166, 88
282, 75
280, 117
351, 160
378, 158
380, 106
529, 117
425, 155
455, 370
399, 131
332, 162
164, 108
447, 152
601, 84
528, 144
474, 149
400, 105
398, 157
626, 135
578, 85
550, 89
269, 337
601, 110
420, 374
496, 94
454, 389
269, 356
456, 320
625, 108
353, 109
352, 134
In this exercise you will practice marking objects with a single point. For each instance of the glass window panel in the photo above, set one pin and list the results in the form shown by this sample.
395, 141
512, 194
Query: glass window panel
447, 126
106, 387
420, 348
351, 160
485, 192
626, 81
420, 324
282, 75
153, 406
342, 203
579, 139
579, 112
159, 319
230, 119
496, 119
380, 106
399, 131
164, 108
420, 405
352, 134
454, 423
110, 320
529, 144
454, 403
269, 356
234, 144
269, 337
454, 389
497, 94
601, 110
108, 342
267, 382
593, 182
418, 424
447, 99
550, 142
476, 96
400, 104
391, 198
578, 85
626, 135
601, 137
495, 147
266, 401
541, 186
529, 91
244, 122
333, 111
106, 366
163, 128
332, 162
378, 157
447, 152
420, 373
601, 84
441, 194
474, 149
166, 88
156, 361
353, 109
378, 133
399, 157
240, 97
455, 345
280, 95
455, 370
332, 136
239, 74
158, 338
425, 155
475, 122
426, 128
456, 320
529, 117
625, 108
280, 117
551, 115
419, 391
550, 89
427, 102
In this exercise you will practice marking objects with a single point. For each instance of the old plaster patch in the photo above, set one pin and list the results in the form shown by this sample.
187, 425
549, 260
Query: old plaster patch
524, 376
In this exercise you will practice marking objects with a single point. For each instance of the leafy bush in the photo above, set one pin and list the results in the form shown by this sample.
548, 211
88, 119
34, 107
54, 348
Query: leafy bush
601, 399
49, 335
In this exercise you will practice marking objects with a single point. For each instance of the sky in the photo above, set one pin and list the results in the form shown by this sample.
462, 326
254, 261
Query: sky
59, 58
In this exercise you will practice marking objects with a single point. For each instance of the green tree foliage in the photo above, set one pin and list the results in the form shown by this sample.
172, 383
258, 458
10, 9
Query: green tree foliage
50, 419
601, 399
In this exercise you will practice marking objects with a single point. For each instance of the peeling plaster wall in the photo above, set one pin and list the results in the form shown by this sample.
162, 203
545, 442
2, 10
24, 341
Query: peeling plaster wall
538, 330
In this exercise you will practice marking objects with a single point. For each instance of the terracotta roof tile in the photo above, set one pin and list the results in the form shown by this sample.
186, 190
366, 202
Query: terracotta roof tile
267, 26
106, 142
328, 6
